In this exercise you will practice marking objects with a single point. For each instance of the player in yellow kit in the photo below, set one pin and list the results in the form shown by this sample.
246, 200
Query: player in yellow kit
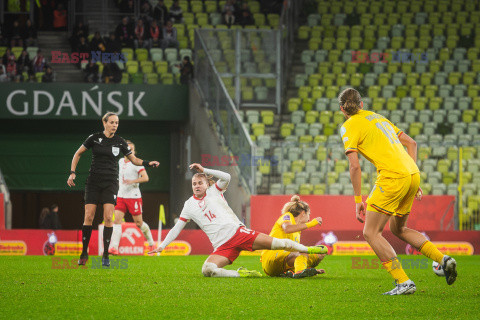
295, 218
397, 185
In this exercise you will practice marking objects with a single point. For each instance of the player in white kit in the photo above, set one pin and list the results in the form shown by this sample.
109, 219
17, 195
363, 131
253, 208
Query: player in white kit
210, 211
129, 198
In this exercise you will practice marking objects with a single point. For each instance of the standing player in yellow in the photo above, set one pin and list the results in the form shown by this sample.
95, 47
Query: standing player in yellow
397, 185
294, 219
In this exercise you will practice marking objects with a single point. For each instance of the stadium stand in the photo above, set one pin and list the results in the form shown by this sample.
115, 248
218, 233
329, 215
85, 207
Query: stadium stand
416, 63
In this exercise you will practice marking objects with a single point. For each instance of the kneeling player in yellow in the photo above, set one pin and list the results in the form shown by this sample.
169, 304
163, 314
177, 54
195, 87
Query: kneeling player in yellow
279, 263
397, 185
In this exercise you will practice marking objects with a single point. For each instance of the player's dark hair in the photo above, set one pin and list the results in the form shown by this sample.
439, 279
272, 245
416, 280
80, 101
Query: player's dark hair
350, 100
295, 206
108, 115
209, 179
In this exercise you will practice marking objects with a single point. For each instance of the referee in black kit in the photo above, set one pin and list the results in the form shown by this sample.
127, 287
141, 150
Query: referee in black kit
101, 186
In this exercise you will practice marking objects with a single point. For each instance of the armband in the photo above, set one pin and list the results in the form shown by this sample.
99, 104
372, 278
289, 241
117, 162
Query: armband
72, 171
312, 223
146, 163
358, 199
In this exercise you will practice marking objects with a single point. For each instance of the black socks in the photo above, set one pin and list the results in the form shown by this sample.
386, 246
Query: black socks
86, 233
107, 235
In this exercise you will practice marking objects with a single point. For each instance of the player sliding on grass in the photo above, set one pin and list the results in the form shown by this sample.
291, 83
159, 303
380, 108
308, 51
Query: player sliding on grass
210, 211
294, 219
397, 185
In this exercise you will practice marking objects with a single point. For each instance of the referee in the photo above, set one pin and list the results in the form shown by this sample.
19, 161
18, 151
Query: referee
101, 186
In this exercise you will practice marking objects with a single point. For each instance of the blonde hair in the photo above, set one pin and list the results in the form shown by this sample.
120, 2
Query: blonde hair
204, 176
350, 100
295, 206
108, 115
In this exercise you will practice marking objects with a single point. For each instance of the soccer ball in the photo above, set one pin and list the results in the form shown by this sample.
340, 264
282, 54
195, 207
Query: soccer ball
438, 269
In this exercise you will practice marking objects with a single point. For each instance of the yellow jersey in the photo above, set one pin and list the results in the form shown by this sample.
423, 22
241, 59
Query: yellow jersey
376, 138
278, 232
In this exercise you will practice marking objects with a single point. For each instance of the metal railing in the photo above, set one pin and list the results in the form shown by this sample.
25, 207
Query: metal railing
225, 117
7, 202
249, 63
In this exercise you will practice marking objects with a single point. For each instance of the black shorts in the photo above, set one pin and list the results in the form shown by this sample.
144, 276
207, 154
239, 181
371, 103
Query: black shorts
101, 189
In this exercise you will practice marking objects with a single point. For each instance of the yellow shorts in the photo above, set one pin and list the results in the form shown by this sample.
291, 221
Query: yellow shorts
274, 262
393, 196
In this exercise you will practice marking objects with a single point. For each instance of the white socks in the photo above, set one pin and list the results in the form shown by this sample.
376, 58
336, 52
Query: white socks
116, 236
210, 269
147, 233
288, 245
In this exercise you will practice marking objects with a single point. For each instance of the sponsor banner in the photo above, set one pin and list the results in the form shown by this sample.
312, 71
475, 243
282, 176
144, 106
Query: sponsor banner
177, 248
68, 248
358, 248
433, 213
13, 248
32, 242
455, 248
91, 101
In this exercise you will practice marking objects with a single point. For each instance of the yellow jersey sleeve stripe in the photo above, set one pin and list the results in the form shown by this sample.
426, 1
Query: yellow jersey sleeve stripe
399, 133
348, 150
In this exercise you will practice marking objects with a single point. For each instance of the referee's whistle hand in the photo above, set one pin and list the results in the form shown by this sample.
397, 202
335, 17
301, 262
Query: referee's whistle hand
70, 180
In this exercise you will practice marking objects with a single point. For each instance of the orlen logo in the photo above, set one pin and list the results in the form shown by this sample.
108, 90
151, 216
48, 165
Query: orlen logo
136, 240
129, 232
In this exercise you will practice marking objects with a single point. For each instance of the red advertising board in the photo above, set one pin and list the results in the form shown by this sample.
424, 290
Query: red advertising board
432, 213
2, 211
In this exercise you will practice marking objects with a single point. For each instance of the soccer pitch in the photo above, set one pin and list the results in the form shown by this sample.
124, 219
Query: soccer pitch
174, 288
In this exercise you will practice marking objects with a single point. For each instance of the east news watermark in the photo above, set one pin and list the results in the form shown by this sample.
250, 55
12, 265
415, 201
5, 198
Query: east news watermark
94, 56
397, 56
96, 263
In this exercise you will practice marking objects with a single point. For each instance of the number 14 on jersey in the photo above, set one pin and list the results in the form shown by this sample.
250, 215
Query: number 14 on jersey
210, 216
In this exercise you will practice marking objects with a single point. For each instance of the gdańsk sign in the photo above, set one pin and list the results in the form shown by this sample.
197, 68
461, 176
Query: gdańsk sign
91, 101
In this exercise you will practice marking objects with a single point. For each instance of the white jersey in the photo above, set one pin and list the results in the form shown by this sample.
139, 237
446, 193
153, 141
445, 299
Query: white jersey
129, 171
213, 215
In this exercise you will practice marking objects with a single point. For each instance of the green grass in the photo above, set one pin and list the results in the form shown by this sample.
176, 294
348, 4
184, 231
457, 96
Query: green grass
174, 288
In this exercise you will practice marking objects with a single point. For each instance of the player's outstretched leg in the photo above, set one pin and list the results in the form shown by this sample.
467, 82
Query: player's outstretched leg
242, 272
290, 245
210, 269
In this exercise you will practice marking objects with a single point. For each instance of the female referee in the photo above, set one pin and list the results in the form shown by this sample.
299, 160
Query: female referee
211, 212
294, 219
101, 186
397, 185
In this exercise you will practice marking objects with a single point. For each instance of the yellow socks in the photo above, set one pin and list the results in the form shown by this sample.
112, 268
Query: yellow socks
394, 267
429, 250
300, 263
